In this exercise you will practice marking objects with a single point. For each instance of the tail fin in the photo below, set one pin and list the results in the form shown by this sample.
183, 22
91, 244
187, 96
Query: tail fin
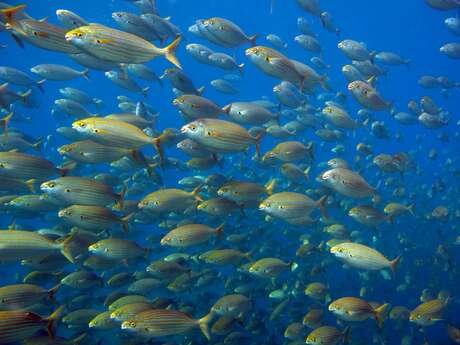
145, 91
394, 263
170, 51
52, 292
380, 314
38, 144
240, 68
410, 208
346, 335
65, 249
125, 220
196, 191
220, 230
121, 198
5, 121
85, 74
31, 184
11, 12
39, 85
157, 143
204, 325
270, 186
227, 108
52, 320
407, 63
321, 203
200, 90
252, 39
258, 139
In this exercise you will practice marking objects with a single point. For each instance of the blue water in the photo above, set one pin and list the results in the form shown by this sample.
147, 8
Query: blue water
410, 28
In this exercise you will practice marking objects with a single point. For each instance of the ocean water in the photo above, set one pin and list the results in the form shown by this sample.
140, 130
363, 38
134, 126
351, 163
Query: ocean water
427, 243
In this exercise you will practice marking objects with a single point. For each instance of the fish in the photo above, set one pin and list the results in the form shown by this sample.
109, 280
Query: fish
163, 322
355, 309
363, 257
117, 46
190, 235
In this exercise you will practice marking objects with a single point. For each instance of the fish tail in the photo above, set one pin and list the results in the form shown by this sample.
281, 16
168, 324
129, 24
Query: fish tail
39, 85
52, 320
52, 292
196, 191
258, 139
407, 63
11, 12
253, 39
170, 52
204, 325
324, 82
125, 221
5, 121
145, 91
410, 208
293, 266
31, 185
66, 250
227, 108
157, 144
321, 203
200, 90
394, 263
85, 74
121, 198
270, 186
38, 145
346, 335
306, 172
380, 314
220, 230
240, 68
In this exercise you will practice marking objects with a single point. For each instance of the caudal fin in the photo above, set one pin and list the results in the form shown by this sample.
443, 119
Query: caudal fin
5, 121
204, 325
11, 12
52, 292
394, 263
380, 314
322, 206
170, 52
253, 39
52, 320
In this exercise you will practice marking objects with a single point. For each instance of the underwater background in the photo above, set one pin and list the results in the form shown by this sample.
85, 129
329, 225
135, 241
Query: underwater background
428, 242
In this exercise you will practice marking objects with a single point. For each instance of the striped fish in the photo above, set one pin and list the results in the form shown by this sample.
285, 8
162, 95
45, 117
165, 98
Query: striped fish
75, 190
37, 32
275, 64
18, 325
129, 311
118, 46
19, 296
164, 322
18, 245
169, 200
23, 166
117, 249
92, 217
220, 136
327, 335
190, 234
356, 309
363, 257
428, 313
87, 151
110, 132
289, 205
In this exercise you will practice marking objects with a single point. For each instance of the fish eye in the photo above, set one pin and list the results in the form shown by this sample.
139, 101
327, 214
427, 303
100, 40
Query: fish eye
96, 130
51, 184
156, 203
82, 124
67, 190
208, 133
35, 33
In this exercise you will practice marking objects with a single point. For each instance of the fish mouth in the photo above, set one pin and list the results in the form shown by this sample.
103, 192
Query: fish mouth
61, 214
184, 129
351, 86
